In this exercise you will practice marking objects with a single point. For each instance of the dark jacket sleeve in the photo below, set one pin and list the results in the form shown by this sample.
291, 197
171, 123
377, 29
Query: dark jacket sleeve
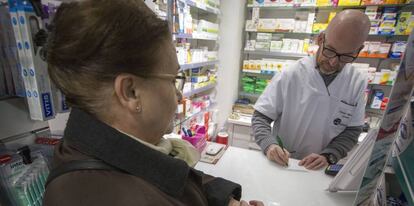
219, 191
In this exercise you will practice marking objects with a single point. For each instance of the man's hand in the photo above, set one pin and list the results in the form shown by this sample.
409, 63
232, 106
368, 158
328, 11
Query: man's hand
275, 153
314, 162
234, 202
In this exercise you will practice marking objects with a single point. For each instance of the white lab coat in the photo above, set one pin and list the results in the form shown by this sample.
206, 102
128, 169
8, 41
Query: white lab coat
307, 114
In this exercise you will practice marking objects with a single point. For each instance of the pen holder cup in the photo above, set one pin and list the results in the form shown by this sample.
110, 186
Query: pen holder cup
198, 141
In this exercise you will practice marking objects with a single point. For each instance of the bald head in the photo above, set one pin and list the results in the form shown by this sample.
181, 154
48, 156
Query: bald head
349, 29
345, 35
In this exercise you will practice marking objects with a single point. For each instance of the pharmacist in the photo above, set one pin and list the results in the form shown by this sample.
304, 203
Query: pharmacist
317, 105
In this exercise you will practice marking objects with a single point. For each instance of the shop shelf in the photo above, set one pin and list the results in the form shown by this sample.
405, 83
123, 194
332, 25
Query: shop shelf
382, 85
191, 36
202, 7
275, 54
289, 7
312, 34
199, 90
184, 67
249, 95
176, 123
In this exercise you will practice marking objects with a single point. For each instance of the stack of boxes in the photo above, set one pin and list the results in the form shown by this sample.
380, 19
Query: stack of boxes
376, 2
256, 85
302, 23
43, 99
34, 68
405, 24
383, 77
276, 43
281, 2
186, 55
11, 81
385, 22
374, 49
184, 23
266, 66
252, 84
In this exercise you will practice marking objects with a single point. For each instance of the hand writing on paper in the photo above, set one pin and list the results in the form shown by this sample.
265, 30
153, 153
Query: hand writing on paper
314, 162
234, 202
275, 153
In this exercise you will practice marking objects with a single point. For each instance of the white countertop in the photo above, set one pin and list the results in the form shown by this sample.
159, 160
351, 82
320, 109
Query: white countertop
263, 180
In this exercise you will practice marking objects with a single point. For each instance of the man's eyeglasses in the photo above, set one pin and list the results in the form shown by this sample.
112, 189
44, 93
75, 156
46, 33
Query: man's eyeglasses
178, 80
329, 53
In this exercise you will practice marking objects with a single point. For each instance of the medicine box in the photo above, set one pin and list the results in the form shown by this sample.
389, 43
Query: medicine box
373, 49
276, 45
398, 49
402, 24
35, 75
285, 25
267, 25
263, 46
349, 2
250, 26
263, 37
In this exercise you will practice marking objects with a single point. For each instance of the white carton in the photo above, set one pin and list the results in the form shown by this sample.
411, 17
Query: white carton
36, 77
276, 45
287, 25
311, 18
267, 25
287, 45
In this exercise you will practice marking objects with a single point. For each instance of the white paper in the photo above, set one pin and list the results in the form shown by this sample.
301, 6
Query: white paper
296, 167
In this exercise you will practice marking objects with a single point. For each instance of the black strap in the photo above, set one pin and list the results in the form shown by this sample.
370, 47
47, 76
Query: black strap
77, 165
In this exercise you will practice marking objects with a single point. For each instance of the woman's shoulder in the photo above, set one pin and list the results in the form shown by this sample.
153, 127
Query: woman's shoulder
91, 187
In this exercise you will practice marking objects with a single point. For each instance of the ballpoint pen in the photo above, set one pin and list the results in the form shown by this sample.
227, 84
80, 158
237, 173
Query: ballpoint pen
280, 143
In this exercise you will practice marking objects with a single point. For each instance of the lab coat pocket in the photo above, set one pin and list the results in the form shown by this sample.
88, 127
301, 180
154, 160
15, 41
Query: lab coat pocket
341, 118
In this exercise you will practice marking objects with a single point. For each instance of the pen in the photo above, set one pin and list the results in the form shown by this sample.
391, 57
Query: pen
185, 132
280, 143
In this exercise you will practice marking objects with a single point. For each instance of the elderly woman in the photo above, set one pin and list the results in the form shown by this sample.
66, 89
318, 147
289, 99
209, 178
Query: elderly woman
117, 66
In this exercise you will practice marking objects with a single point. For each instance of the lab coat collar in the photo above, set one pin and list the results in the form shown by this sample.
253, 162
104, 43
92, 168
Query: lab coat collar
309, 63
97, 139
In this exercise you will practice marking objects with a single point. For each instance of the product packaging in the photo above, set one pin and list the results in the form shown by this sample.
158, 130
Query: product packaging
35, 75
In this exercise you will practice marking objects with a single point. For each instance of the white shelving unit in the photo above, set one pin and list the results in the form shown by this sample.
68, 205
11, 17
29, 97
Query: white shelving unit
184, 67
200, 90
192, 115
15, 119
192, 39
291, 7
193, 36
275, 54
201, 6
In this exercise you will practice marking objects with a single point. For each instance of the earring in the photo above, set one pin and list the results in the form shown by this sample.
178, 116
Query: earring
138, 109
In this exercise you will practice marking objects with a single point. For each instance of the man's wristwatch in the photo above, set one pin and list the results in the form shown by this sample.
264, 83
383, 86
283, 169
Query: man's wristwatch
330, 158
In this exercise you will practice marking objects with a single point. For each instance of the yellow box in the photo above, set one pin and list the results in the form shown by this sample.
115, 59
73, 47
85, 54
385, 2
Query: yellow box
394, 1
323, 3
319, 27
349, 2
403, 22
372, 2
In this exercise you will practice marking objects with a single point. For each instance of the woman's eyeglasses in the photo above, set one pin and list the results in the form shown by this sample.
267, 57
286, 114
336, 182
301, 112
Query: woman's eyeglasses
178, 80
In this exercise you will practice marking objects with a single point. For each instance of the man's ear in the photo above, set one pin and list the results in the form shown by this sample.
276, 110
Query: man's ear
127, 92
320, 39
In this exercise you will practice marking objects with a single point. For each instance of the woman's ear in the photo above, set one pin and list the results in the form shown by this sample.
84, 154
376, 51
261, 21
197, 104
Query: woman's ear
127, 92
